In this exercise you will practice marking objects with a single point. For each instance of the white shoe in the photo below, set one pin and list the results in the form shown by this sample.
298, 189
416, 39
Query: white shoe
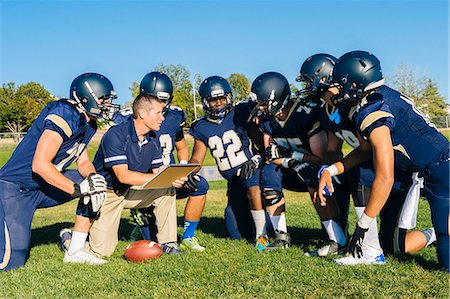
366, 259
83, 257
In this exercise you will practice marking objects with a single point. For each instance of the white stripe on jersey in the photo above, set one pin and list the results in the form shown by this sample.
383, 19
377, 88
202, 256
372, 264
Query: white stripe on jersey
115, 158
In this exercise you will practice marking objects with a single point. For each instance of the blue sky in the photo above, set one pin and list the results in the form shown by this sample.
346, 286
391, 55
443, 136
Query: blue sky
51, 42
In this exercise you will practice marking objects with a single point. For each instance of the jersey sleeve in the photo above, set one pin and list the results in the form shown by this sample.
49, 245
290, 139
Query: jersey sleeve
63, 119
179, 135
372, 116
195, 131
157, 159
113, 149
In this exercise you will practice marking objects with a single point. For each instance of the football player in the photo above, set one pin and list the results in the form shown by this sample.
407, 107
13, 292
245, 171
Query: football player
316, 73
396, 136
224, 130
36, 175
170, 137
295, 145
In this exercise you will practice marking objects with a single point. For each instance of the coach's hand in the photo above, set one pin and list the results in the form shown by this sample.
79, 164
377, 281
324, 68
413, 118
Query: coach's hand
96, 200
94, 183
248, 169
191, 183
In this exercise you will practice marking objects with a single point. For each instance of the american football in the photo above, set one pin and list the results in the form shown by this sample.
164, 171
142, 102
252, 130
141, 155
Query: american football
142, 250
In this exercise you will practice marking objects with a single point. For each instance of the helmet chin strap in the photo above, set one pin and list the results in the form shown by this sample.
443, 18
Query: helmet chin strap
78, 103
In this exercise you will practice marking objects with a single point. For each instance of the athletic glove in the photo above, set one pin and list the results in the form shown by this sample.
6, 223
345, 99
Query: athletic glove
356, 242
300, 168
248, 169
94, 183
191, 183
142, 216
274, 151
96, 200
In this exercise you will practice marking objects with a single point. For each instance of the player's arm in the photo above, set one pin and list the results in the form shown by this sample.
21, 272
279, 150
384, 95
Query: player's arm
182, 150
85, 166
334, 146
46, 150
318, 145
383, 160
198, 153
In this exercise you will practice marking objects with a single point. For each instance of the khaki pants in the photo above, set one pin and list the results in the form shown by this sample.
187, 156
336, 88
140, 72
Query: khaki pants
103, 235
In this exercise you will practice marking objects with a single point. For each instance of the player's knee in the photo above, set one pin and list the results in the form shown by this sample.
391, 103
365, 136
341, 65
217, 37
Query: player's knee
202, 186
443, 245
271, 196
13, 259
361, 196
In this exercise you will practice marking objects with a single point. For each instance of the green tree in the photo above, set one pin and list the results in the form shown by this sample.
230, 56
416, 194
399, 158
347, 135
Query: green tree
435, 103
240, 85
294, 90
422, 89
134, 89
20, 105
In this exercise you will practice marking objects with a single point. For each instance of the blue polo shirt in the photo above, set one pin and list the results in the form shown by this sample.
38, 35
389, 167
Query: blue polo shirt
120, 145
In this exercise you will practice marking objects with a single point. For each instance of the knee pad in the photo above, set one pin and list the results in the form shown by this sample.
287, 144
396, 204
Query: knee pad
361, 196
202, 186
85, 210
399, 240
271, 196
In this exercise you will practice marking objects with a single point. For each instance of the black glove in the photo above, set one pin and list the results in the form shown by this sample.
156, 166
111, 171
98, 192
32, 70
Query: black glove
355, 244
274, 151
191, 183
248, 169
299, 168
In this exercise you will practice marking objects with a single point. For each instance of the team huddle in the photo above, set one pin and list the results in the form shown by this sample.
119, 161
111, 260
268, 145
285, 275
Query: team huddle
276, 140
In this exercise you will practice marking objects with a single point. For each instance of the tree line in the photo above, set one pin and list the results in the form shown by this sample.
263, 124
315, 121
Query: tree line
20, 104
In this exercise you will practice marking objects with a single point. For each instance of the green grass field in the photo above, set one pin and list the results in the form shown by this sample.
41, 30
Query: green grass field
228, 269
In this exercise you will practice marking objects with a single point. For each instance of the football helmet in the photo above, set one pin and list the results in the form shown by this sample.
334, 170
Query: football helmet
357, 74
315, 74
272, 92
159, 85
90, 91
211, 89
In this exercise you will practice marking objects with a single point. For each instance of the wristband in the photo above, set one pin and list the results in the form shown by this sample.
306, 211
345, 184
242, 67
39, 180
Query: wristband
285, 162
298, 156
183, 162
332, 169
76, 191
365, 221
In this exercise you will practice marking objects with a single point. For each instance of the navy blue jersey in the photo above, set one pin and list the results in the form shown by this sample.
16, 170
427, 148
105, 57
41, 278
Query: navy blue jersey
59, 116
417, 143
228, 140
170, 132
337, 121
120, 145
294, 132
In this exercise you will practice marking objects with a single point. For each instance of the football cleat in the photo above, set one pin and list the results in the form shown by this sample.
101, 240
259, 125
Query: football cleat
261, 243
330, 248
136, 234
66, 235
191, 244
281, 240
83, 257
171, 248
366, 259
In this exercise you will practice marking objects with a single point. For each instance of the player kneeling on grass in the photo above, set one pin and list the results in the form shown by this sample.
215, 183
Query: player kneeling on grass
224, 130
36, 175
399, 137
129, 154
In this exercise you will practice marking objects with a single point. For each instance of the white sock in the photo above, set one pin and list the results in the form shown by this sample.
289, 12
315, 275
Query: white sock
334, 231
279, 222
259, 218
77, 242
371, 239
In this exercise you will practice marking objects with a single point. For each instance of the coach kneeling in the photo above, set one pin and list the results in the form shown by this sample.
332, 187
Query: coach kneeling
129, 154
